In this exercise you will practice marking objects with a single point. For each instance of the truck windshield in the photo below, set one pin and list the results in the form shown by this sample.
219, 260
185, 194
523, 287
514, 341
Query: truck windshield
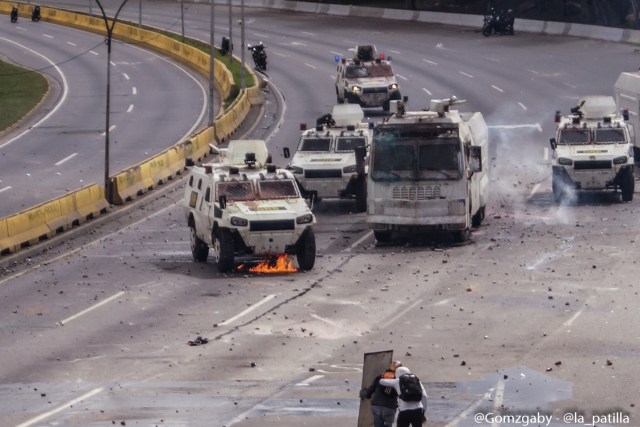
417, 160
574, 136
236, 191
315, 144
380, 70
277, 189
421, 155
610, 135
356, 72
349, 143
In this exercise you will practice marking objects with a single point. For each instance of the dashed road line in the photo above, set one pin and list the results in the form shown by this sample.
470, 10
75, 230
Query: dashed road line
427, 90
61, 408
248, 310
497, 88
69, 157
430, 62
522, 106
466, 74
93, 307
130, 108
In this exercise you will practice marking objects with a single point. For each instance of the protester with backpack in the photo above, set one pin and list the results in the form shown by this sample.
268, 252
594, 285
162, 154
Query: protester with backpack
384, 399
412, 397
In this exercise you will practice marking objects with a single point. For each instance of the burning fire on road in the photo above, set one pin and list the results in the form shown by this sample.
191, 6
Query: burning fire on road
281, 264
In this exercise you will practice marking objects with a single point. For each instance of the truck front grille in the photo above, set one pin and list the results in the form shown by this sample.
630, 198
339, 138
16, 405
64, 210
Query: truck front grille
406, 192
272, 225
382, 89
323, 173
592, 164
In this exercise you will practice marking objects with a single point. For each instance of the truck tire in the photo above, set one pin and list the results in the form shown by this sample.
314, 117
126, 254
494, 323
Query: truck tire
558, 189
476, 219
386, 105
461, 236
199, 249
338, 98
306, 250
223, 247
627, 186
382, 236
361, 195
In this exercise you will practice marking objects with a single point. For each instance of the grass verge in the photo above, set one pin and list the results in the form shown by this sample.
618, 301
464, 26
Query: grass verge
20, 92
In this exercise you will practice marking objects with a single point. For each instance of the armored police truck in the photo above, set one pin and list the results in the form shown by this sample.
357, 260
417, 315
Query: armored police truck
592, 150
244, 205
325, 163
428, 171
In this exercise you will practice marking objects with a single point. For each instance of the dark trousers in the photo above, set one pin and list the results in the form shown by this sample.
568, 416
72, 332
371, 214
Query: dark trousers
412, 417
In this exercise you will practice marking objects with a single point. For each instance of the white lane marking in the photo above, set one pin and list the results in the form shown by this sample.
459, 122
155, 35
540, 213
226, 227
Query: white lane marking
332, 77
357, 242
335, 53
308, 33
443, 302
309, 380
430, 62
47, 36
126, 76
203, 91
69, 157
248, 310
401, 76
112, 63
61, 408
72, 44
298, 44
5, 188
401, 314
134, 90
95, 53
21, 28
533, 71
466, 74
534, 126
112, 127
280, 54
497, 88
130, 108
93, 307
498, 400
522, 106
569, 84
311, 66
534, 190
261, 35
473, 407
395, 52
427, 90
573, 318
63, 98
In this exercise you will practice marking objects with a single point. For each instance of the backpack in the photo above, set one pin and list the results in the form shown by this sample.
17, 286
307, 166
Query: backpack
410, 388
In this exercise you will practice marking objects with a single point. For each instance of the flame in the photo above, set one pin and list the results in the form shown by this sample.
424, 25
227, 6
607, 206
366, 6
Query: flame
281, 264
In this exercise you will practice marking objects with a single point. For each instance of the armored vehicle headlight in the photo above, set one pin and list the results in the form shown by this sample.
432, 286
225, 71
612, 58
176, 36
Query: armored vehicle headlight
620, 160
356, 89
238, 222
305, 219
393, 86
349, 169
296, 170
564, 161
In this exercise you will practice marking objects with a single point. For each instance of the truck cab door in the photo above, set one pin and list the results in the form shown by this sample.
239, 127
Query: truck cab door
208, 207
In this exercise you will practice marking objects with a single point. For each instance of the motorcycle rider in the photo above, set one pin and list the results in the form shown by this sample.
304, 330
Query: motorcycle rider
259, 55
35, 14
14, 14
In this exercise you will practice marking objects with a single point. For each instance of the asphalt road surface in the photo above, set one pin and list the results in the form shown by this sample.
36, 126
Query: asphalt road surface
536, 316
59, 148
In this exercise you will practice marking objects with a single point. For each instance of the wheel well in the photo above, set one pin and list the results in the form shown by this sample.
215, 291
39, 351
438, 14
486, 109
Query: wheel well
191, 222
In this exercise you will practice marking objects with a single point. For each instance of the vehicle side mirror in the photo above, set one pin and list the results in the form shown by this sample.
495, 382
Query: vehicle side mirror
286, 153
553, 143
222, 200
475, 158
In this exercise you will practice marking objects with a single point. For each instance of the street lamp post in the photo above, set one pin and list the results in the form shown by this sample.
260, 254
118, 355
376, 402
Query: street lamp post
211, 70
243, 83
109, 28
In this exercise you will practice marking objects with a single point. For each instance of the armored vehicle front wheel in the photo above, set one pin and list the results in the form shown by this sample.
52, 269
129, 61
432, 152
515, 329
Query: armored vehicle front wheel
476, 219
223, 247
382, 236
558, 189
627, 186
306, 250
199, 249
361, 195
461, 236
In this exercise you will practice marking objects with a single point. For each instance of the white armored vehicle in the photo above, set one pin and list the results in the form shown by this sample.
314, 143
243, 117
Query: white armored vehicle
325, 164
592, 150
428, 172
367, 79
244, 205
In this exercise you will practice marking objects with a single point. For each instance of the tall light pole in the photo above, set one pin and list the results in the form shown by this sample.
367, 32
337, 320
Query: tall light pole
230, 35
109, 28
243, 83
211, 61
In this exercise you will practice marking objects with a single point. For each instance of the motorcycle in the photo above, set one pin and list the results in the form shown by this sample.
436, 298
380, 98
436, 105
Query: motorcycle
499, 23
35, 14
259, 55
14, 14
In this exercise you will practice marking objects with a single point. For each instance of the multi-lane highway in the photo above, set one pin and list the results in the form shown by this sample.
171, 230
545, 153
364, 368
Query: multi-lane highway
537, 315
155, 103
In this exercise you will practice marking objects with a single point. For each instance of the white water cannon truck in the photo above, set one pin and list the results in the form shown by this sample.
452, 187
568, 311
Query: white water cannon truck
245, 205
592, 150
428, 171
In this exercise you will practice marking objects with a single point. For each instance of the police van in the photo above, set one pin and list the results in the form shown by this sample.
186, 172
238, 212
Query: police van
243, 205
